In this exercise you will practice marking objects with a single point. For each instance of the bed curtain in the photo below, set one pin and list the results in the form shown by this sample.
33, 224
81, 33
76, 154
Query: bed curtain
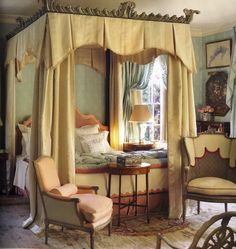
52, 40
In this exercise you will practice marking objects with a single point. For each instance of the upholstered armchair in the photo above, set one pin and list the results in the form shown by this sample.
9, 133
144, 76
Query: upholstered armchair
210, 173
70, 205
217, 232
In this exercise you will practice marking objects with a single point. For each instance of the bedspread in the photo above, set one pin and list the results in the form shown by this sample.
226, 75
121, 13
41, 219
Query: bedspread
96, 161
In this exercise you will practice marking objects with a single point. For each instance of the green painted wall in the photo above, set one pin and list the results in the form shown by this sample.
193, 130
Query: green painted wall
197, 77
201, 77
24, 93
90, 92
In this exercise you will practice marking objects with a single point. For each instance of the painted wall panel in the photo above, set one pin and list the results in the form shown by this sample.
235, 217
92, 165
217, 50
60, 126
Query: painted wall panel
202, 75
90, 92
24, 93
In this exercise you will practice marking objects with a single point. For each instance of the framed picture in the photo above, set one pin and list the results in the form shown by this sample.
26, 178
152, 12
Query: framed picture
218, 53
216, 88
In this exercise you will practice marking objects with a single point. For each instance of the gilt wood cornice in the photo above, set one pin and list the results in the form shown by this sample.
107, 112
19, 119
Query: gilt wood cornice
125, 10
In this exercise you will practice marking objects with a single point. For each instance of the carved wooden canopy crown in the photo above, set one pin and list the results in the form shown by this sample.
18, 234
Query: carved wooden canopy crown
125, 10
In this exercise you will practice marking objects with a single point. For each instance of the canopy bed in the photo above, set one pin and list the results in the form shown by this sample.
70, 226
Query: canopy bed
52, 37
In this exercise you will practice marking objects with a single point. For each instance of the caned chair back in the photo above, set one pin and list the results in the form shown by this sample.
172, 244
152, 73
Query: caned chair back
210, 155
47, 174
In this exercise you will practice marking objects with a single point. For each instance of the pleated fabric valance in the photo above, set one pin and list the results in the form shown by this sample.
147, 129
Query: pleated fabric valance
64, 33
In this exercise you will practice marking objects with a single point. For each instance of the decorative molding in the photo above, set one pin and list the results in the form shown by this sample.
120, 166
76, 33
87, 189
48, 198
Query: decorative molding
24, 23
125, 10
198, 32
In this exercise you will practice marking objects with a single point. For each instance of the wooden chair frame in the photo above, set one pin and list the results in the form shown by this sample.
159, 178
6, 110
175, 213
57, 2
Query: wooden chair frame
70, 219
189, 172
221, 236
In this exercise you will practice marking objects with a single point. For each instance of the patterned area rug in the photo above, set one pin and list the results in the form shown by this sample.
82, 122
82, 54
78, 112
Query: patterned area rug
137, 225
134, 232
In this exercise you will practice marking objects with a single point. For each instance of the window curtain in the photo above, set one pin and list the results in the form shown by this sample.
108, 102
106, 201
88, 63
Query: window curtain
134, 77
116, 92
162, 71
231, 88
181, 122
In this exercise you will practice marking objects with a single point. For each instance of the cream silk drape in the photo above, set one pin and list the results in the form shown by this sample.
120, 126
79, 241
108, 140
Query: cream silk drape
116, 92
52, 40
180, 123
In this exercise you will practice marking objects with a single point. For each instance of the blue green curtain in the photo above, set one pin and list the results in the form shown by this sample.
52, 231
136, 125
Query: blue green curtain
137, 77
231, 88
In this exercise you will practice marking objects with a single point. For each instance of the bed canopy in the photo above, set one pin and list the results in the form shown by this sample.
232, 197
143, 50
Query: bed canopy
52, 37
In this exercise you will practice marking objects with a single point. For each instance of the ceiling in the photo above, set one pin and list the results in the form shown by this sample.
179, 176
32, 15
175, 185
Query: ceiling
215, 15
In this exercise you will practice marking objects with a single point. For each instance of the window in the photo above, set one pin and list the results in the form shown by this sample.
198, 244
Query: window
154, 96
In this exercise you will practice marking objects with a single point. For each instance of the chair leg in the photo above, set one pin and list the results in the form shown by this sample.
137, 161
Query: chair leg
92, 239
184, 210
158, 245
46, 232
109, 228
198, 207
226, 207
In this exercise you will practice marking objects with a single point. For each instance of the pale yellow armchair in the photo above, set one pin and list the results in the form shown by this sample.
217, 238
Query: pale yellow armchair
70, 205
210, 173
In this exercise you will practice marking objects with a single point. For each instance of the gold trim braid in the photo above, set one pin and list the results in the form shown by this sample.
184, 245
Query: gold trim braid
125, 10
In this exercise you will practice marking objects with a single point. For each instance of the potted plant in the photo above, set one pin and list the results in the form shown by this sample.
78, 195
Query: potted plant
206, 113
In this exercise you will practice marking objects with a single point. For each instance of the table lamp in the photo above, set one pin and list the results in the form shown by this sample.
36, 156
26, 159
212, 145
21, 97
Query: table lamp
140, 114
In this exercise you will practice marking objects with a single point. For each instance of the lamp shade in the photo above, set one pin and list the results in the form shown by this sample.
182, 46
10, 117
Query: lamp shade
140, 114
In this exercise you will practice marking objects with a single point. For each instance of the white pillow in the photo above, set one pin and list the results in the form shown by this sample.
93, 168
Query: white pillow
24, 128
25, 141
84, 130
87, 129
26, 144
94, 146
95, 143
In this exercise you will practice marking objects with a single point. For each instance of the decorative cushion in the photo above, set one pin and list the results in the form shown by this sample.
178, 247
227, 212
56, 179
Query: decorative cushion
99, 223
87, 129
47, 173
94, 207
94, 146
212, 186
95, 143
65, 190
84, 130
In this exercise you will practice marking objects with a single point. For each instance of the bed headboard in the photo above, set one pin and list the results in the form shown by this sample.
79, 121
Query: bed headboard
80, 120
88, 119
26, 122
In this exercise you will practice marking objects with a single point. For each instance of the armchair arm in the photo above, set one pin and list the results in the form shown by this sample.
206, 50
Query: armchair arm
64, 205
61, 197
82, 189
185, 173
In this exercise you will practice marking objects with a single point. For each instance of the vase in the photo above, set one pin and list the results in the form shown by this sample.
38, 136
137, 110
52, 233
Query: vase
206, 116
